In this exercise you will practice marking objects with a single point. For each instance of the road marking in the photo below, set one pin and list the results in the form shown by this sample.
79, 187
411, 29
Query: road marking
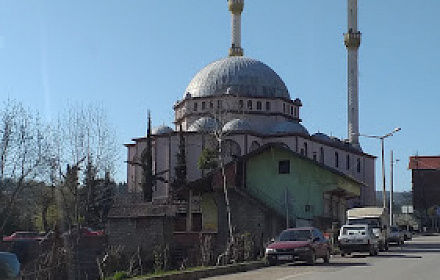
293, 276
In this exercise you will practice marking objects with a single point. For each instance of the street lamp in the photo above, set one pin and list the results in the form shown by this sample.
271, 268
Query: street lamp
392, 161
382, 138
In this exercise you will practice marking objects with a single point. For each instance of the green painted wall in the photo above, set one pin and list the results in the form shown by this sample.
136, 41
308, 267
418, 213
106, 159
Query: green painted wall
306, 183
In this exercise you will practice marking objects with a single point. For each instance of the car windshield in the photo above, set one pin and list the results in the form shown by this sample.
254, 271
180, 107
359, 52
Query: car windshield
394, 229
353, 230
373, 222
295, 235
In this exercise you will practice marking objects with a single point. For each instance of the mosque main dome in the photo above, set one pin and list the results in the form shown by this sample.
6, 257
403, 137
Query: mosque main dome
237, 75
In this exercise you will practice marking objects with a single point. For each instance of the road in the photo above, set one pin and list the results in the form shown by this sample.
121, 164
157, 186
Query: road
416, 259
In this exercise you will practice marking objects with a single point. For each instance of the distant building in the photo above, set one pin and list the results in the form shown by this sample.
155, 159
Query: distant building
425, 172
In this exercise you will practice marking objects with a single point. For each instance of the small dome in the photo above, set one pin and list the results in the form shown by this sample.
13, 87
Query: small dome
162, 129
322, 136
204, 124
239, 76
237, 125
290, 127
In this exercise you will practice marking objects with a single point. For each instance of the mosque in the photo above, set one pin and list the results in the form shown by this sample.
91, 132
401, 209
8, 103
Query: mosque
246, 104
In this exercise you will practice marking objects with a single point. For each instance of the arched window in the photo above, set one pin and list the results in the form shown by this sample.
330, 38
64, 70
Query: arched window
195, 106
321, 157
241, 104
336, 159
231, 149
358, 165
249, 104
255, 145
203, 105
258, 105
267, 106
304, 150
347, 162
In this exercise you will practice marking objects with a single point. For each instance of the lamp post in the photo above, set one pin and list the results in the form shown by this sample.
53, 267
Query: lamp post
392, 162
382, 138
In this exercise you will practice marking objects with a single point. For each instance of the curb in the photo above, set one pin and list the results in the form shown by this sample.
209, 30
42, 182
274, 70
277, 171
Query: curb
208, 272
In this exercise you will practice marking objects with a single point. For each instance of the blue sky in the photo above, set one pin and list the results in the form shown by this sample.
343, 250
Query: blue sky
130, 56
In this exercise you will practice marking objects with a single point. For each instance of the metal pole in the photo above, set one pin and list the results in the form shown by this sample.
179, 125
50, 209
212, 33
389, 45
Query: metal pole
287, 207
391, 189
383, 173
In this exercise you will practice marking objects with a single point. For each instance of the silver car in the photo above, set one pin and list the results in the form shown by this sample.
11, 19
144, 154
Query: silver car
396, 235
357, 238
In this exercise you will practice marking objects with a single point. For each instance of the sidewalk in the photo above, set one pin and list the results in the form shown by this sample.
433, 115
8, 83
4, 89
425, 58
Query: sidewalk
208, 272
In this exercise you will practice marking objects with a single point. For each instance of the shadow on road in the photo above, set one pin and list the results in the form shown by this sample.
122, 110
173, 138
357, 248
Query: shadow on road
333, 263
400, 256
418, 247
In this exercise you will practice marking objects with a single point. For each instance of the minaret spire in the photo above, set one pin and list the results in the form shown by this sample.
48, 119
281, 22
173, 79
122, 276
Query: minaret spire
352, 41
236, 7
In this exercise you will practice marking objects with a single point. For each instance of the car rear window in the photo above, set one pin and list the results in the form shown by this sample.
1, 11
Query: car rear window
353, 230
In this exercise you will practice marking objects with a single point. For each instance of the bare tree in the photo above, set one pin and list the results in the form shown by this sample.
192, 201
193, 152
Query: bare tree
227, 109
24, 154
82, 134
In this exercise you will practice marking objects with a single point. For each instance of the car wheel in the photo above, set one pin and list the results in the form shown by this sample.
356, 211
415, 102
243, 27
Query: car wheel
312, 259
386, 247
372, 250
272, 262
326, 258
342, 254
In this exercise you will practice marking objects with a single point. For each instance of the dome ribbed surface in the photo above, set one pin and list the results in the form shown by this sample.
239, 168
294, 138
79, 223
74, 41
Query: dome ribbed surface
237, 75
162, 129
237, 125
290, 127
205, 124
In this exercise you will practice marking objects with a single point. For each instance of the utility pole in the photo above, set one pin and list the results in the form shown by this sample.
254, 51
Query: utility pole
391, 188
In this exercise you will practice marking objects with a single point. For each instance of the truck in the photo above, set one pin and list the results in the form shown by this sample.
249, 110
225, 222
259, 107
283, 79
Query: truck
377, 218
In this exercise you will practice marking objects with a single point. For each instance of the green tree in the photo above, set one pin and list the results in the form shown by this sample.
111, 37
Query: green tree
180, 167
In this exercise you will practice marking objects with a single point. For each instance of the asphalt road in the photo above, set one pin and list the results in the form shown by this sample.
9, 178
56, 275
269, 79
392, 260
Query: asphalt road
416, 259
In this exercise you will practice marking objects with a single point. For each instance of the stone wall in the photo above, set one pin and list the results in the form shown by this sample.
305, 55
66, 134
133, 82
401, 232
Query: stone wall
248, 216
147, 233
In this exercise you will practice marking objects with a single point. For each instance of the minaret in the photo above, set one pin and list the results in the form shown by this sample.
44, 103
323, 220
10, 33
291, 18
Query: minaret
352, 41
236, 7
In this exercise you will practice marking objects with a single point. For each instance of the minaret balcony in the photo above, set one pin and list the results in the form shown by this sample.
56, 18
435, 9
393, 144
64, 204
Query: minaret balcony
235, 51
352, 40
236, 6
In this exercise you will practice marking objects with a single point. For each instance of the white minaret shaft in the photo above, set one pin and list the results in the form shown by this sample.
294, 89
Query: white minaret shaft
352, 41
236, 7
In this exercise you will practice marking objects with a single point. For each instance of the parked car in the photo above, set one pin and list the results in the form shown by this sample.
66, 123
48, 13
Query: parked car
85, 231
407, 234
396, 235
9, 266
357, 238
23, 235
305, 244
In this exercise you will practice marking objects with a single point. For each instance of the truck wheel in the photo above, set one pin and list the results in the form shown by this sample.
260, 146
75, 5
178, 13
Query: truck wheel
372, 250
326, 258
